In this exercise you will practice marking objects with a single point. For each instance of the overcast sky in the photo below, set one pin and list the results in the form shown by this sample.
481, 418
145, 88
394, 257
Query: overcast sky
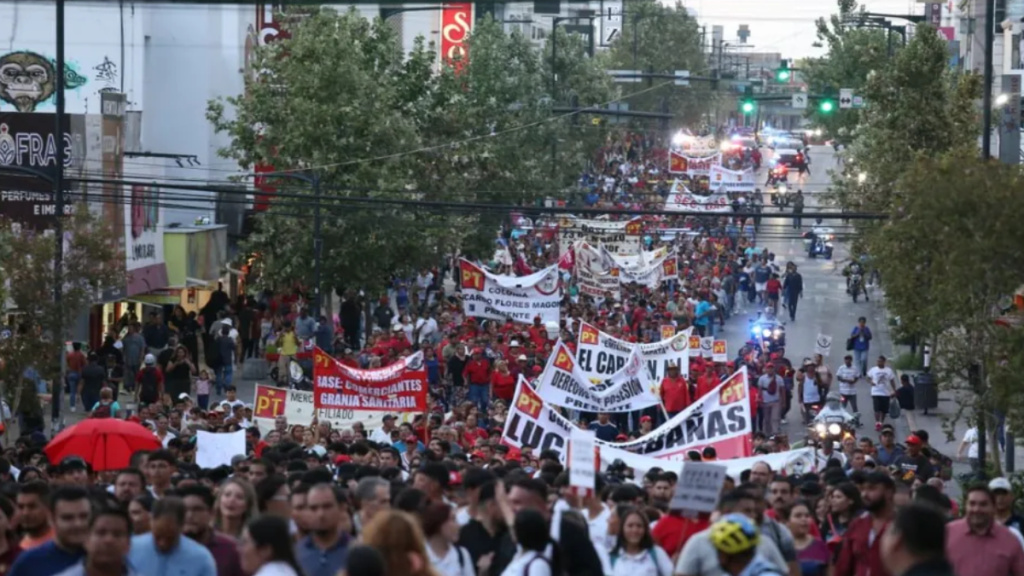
785, 26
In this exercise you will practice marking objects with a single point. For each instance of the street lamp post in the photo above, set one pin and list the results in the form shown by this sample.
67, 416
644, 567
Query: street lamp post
313, 179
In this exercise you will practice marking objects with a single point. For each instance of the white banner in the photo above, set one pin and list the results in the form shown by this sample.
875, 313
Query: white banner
823, 345
563, 384
732, 180
600, 355
595, 274
680, 199
720, 419
792, 462
297, 407
522, 298
621, 238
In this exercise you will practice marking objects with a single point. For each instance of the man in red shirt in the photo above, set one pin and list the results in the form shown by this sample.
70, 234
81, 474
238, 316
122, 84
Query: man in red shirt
707, 381
478, 375
538, 333
860, 552
675, 391
773, 288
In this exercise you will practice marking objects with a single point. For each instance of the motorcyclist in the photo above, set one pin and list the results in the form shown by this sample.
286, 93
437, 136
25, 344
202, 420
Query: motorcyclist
798, 208
833, 412
853, 269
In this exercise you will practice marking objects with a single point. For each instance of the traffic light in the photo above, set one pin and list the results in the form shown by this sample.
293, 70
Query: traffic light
783, 74
747, 105
826, 106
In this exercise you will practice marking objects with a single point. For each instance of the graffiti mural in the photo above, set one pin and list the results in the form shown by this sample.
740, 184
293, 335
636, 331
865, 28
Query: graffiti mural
28, 79
106, 73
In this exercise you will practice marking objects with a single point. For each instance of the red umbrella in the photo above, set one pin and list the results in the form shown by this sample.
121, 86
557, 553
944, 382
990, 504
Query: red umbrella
105, 443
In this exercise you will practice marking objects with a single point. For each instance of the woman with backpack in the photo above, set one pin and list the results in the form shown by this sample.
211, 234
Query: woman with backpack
533, 536
441, 531
635, 553
107, 406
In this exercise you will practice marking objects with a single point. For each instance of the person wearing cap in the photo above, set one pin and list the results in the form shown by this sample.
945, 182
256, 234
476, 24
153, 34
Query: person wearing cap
978, 545
150, 382
675, 390
1002, 493
646, 424
382, 435
913, 464
478, 375
860, 553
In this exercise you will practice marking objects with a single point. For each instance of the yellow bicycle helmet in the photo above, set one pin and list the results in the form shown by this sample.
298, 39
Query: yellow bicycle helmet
734, 534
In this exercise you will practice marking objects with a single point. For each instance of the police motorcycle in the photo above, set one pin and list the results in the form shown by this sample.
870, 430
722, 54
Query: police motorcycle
855, 281
767, 334
820, 240
834, 422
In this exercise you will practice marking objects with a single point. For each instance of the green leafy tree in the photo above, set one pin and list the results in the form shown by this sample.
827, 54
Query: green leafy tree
93, 260
852, 54
916, 107
663, 38
340, 99
946, 256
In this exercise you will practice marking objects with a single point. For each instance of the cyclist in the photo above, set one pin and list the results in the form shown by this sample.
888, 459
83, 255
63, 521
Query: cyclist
735, 538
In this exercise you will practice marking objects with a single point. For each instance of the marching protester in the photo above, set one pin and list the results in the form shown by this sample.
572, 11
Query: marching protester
422, 433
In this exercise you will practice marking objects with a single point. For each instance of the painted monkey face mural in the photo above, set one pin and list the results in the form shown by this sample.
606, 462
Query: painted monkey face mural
26, 79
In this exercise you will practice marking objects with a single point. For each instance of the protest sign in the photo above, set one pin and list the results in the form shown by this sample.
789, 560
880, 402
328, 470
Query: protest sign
213, 450
681, 163
522, 298
682, 199
623, 238
599, 272
563, 384
731, 180
600, 355
694, 345
533, 423
720, 351
720, 419
707, 346
823, 345
699, 486
400, 387
582, 465
667, 331
298, 408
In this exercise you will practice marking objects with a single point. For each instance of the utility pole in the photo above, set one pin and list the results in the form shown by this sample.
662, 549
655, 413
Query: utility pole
58, 237
318, 248
986, 133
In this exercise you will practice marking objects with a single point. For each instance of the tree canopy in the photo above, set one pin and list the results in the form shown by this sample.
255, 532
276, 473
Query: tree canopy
852, 54
93, 260
341, 101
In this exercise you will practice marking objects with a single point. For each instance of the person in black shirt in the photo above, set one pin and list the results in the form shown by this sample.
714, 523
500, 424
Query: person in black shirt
913, 464
94, 377
156, 333
483, 533
604, 429
165, 356
914, 543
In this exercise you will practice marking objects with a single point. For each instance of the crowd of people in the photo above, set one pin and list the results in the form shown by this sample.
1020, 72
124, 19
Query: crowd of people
440, 494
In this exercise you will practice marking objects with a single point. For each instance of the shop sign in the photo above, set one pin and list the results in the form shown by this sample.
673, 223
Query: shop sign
28, 143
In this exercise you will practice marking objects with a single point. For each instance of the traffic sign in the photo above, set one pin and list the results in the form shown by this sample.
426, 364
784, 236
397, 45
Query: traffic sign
800, 101
626, 76
858, 101
845, 98
611, 21
682, 77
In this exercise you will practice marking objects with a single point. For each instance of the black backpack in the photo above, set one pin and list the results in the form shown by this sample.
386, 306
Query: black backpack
102, 411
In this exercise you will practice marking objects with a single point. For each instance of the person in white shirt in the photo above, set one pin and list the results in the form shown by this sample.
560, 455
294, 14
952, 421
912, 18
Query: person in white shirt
970, 443
847, 375
442, 531
635, 553
383, 435
883, 388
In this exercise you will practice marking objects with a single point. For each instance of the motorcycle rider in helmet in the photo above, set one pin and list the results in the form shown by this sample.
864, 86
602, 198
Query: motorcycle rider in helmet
833, 410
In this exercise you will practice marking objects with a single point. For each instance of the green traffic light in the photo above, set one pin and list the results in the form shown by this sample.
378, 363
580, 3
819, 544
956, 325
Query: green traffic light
748, 107
827, 106
782, 75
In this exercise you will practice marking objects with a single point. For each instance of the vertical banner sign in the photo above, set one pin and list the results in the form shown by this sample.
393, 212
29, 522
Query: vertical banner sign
694, 345
456, 23
268, 23
582, 461
720, 351
113, 107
